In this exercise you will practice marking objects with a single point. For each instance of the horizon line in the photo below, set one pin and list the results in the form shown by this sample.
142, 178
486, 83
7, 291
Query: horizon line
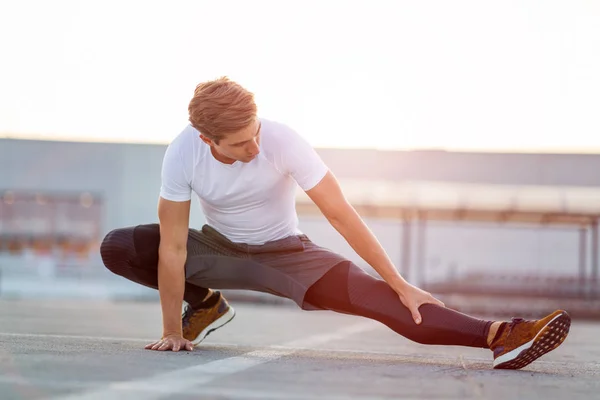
502, 150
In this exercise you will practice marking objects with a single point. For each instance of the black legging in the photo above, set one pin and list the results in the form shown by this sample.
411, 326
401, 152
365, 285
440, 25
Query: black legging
346, 288
133, 254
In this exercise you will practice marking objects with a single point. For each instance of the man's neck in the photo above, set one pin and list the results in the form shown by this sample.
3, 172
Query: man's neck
221, 158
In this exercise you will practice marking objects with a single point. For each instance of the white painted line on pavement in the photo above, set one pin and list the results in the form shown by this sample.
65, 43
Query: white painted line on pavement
178, 381
296, 346
229, 392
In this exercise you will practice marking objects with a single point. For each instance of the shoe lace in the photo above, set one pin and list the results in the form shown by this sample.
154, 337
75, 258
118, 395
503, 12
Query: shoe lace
514, 322
187, 315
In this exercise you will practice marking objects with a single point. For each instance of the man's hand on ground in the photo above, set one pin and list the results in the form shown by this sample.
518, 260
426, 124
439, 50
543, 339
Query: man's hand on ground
413, 297
171, 342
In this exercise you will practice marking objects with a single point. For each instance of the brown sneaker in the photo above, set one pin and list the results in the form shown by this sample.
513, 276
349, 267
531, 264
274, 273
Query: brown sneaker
197, 324
521, 341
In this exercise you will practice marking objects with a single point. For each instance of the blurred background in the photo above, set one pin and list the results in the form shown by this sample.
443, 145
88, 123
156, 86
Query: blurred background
465, 132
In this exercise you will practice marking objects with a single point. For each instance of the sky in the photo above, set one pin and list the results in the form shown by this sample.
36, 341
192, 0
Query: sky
457, 75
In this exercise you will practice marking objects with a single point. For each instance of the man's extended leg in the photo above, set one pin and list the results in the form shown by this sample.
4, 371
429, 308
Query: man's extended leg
348, 289
132, 253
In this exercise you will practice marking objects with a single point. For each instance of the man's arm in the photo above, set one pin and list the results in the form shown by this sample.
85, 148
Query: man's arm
328, 196
172, 254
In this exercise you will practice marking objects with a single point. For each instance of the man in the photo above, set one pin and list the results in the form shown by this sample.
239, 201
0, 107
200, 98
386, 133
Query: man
245, 170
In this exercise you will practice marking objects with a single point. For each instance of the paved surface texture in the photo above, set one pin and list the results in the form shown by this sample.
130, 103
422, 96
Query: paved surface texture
94, 350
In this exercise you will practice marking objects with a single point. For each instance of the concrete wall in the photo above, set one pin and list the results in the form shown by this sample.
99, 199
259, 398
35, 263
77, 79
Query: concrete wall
495, 168
128, 177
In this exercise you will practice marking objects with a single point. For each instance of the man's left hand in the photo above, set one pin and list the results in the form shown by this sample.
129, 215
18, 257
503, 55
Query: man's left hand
413, 297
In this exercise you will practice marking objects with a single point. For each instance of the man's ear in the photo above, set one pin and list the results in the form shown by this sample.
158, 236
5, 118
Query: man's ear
206, 140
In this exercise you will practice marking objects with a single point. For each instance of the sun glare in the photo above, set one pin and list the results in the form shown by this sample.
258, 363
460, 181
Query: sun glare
464, 74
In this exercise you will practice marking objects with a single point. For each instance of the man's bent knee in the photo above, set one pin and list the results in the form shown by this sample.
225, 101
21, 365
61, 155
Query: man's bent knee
117, 248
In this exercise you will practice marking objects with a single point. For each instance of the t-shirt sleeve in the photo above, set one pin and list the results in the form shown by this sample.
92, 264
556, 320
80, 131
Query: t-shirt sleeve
175, 185
300, 159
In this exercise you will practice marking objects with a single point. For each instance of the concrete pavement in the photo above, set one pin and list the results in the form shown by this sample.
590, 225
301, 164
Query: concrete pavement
94, 350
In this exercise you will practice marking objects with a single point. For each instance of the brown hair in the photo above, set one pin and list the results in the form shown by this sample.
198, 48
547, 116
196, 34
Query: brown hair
221, 106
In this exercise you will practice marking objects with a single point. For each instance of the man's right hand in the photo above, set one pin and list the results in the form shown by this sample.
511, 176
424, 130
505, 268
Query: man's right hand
171, 342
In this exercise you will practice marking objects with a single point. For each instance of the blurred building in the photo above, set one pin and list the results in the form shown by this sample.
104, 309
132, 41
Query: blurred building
58, 199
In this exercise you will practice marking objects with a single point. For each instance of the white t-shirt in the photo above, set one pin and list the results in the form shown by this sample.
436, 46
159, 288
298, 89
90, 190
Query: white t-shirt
247, 202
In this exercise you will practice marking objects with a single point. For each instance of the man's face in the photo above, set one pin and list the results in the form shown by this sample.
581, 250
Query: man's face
237, 146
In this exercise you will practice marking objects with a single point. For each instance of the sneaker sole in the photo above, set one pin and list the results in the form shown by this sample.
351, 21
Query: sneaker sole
216, 324
548, 338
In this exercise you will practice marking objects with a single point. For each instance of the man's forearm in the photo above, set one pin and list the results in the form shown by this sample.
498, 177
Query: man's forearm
351, 226
171, 287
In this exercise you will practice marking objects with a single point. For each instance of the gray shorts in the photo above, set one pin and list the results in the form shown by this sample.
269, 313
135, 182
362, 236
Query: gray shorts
287, 267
